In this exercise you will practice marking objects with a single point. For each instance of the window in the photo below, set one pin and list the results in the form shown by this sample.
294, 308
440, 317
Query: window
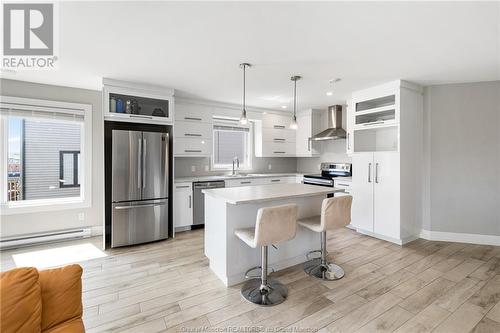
69, 168
230, 142
48, 154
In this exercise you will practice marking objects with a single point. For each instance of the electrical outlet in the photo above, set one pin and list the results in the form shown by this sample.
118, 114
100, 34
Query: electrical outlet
81, 216
206, 168
193, 168
269, 166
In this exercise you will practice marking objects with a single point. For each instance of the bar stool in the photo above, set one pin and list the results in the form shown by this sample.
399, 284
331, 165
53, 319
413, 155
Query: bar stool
335, 213
273, 225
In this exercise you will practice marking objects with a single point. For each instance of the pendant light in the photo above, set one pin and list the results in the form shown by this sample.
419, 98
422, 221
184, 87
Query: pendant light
293, 124
243, 118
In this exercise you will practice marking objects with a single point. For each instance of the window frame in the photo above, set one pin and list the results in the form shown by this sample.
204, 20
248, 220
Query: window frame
75, 154
226, 167
54, 107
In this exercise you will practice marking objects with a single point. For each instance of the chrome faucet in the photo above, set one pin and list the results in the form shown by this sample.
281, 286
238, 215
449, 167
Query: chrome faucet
235, 159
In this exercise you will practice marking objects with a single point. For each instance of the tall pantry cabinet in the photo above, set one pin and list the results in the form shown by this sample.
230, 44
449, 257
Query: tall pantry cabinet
386, 141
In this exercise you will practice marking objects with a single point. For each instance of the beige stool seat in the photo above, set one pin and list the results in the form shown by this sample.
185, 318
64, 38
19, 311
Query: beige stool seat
273, 225
247, 235
335, 213
312, 223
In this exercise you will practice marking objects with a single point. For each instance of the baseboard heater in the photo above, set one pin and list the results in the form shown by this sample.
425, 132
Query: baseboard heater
31, 239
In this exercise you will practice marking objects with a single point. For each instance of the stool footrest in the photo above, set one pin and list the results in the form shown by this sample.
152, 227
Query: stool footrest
247, 276
308, 254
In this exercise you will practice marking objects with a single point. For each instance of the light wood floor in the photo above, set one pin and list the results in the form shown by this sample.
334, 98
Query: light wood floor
422, 287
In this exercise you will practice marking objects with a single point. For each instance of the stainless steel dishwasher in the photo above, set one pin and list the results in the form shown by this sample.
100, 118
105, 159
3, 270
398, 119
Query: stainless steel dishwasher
199, 199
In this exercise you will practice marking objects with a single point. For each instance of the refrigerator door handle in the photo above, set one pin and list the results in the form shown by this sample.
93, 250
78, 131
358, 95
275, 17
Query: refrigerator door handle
139, 164
143, 163
141, 206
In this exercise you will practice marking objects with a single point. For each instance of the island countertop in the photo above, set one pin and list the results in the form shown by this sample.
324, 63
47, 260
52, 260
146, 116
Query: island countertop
259, 193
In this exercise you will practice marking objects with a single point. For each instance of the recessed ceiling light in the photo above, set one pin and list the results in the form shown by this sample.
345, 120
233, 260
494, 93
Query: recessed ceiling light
329, 93
283, 106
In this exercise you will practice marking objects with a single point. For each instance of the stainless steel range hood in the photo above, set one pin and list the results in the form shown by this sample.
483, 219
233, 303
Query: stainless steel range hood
334, 130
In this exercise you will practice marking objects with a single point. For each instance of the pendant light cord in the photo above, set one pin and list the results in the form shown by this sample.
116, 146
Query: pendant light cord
244, 86
294, 98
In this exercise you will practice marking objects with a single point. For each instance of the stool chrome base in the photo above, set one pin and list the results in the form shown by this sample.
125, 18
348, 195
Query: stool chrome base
272, 293
327, 271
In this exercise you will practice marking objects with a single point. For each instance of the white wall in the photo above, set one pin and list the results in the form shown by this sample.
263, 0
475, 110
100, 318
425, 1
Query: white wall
62, 219
462, 158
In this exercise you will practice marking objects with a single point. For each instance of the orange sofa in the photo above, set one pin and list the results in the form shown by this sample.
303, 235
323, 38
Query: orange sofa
48, 301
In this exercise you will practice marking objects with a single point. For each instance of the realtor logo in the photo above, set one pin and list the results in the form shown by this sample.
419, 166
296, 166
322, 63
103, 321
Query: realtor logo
28, 36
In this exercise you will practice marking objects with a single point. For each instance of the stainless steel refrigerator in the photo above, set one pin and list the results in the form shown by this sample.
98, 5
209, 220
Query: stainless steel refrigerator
139, 186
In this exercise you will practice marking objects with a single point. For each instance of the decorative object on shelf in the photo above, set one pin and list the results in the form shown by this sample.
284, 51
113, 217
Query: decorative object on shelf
112, 104
128, 108
293, 124
120, 107
243, 119
134, 107
158, 112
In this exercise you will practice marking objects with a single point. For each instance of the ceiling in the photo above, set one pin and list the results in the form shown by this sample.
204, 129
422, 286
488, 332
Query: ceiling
195, 48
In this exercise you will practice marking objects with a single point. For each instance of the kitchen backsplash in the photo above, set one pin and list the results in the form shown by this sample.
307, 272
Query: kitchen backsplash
184, 166
331, 151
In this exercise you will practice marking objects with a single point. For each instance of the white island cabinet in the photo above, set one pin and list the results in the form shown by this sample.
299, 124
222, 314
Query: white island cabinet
228, 209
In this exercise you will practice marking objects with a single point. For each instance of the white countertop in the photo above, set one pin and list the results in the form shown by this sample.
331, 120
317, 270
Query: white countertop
259, 193
224, 177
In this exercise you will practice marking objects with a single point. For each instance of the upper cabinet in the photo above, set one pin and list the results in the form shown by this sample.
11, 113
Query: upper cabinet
126, 101
309, 124
350, 128
273, 137
374, 116
193, 130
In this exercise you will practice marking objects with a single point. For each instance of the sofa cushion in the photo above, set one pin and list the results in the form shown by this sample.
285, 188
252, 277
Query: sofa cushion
72, 326
61, 295
21, 302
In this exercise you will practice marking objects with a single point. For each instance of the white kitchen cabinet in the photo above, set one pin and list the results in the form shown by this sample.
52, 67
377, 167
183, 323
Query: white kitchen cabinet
279, 180
273, 137
386, 215
154, 104
387, 150
350, 128
243, 182
194, 113
183, 205
308, 124
343, 184
188, 129
192, 147
362, 189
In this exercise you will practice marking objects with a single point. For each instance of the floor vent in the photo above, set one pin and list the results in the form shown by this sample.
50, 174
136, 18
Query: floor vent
32, 239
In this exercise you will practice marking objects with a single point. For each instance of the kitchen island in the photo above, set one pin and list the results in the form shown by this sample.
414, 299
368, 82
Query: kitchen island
228, 209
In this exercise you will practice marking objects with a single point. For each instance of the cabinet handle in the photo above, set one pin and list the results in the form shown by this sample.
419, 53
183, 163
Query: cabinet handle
369, 172
189, 201
278, 152
183, 186
279, 126
245, 182
275, 180
278, 139
339, 184
192, 118
374, 123
348, 141
191, 134
309, 143
139, 116
376, 173
192, 151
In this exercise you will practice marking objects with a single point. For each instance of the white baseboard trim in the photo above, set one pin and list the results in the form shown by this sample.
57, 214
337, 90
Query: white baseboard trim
460, 237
